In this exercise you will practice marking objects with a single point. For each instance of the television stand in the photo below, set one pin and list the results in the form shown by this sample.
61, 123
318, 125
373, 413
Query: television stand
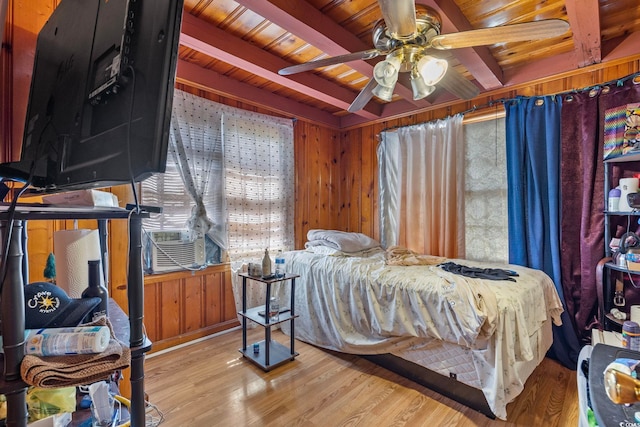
12, 301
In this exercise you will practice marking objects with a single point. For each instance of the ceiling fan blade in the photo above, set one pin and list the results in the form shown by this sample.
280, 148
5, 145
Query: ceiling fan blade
534, 30
400, 17
458, 85
306, 66
363, 97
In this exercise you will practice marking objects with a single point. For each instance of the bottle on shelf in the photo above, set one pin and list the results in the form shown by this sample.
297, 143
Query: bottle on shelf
280, 265
274, 309
266, 264
614, 200
95, 289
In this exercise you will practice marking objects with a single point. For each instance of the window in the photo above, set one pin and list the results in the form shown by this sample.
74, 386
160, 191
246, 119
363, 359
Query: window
239, 164
412, 163
259, 178
486, 231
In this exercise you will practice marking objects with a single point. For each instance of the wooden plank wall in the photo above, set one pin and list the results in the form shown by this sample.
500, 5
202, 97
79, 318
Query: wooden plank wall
317, 177
335, 181
24, 21
181, 307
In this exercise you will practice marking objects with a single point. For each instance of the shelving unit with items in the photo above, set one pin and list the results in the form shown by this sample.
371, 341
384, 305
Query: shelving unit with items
268, 354
129, 329
621, 266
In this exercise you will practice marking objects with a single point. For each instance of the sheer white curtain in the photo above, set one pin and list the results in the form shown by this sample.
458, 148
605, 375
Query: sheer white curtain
421, 179
196, 147
229, 172
191, 191
259, 185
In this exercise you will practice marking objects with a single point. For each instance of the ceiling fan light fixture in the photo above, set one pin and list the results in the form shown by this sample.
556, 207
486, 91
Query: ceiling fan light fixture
432, 69
420, 88
383, 92
386, 72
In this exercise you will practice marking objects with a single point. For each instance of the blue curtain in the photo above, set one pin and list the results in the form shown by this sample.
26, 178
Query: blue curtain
533, 176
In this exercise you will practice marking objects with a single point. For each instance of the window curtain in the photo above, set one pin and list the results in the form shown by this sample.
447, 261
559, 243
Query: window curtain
421, 187
583, 192
259, 187
259, 183
195, 145
533, 176
191, 191
230, 174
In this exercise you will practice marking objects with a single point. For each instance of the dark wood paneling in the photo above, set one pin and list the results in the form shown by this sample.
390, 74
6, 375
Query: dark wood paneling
170, 304
213, 299
317, 178
192, 304
229, 312
182, 306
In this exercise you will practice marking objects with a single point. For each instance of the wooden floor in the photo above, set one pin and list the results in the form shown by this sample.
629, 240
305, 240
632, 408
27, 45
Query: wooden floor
210, 384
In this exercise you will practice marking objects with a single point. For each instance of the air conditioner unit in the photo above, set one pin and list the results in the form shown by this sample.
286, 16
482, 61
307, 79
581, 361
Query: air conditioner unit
170, 250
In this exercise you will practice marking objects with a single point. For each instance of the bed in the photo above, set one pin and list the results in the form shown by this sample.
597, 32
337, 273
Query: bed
472, 339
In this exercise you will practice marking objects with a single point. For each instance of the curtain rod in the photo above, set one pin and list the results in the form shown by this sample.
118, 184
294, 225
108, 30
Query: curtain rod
618, 82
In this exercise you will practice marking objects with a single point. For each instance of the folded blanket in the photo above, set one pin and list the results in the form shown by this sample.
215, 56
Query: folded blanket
326, 250
77, 369
341, 240
398, 255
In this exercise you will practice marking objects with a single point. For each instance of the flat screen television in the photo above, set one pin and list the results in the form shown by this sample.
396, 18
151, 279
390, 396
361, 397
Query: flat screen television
101, 93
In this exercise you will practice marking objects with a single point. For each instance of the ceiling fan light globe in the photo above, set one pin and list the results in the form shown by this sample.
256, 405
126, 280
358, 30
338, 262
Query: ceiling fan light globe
420, 88
432, 69
386, 72
383, 92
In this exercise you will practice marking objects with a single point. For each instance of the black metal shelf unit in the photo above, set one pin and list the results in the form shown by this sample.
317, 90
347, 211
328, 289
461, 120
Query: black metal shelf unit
12, 298
268, 354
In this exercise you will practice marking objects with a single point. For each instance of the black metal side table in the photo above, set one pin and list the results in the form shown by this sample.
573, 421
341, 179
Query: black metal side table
268, 354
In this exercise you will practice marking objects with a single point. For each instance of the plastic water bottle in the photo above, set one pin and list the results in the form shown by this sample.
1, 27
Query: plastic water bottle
280, 265
274, 310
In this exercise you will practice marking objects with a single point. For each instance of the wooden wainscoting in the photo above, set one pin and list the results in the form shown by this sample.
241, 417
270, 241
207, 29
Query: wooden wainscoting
184, 306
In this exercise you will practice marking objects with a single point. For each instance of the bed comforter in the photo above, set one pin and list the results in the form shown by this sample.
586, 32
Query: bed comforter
362, 305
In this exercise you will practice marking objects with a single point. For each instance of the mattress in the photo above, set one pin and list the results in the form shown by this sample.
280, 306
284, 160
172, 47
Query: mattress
446, 359
490, 334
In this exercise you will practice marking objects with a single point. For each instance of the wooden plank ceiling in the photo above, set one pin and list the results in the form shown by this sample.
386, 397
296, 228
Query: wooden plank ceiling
235, 49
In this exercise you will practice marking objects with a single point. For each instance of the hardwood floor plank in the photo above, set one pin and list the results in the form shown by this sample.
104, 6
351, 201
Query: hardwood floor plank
210, 383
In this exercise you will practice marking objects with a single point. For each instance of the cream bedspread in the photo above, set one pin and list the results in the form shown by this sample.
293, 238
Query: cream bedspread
361, 305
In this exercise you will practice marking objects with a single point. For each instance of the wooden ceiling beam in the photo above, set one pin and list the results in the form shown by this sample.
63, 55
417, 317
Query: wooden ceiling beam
308, 23
621, 47
477, 60
305, 21
216, 43
395, 110
584, 19
202, 78
545, 67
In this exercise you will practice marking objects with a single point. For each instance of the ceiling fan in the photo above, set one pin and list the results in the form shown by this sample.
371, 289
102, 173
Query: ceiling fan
409, 36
